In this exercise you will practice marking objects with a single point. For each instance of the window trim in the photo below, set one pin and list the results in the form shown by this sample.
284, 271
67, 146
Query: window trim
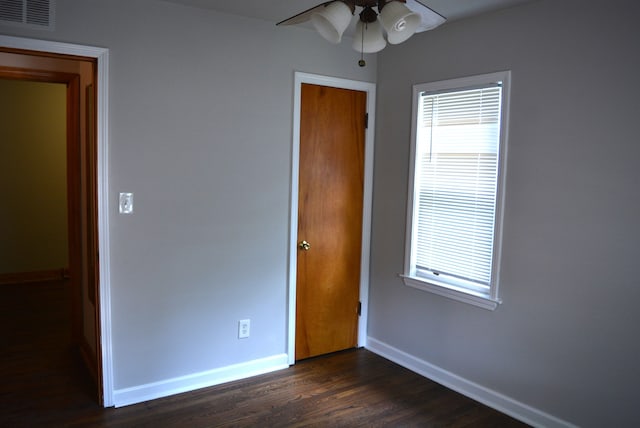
491, 299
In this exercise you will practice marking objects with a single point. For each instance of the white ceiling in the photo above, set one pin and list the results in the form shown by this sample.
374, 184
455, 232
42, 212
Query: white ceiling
276, 11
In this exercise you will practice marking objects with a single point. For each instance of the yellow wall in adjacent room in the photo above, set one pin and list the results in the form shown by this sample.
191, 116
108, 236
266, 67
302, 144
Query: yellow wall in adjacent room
33, 176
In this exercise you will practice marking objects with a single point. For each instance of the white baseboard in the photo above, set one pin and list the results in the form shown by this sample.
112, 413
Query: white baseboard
151, 391
486, 396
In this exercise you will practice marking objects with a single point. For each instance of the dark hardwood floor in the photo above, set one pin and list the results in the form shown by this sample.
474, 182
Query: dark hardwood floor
42, 384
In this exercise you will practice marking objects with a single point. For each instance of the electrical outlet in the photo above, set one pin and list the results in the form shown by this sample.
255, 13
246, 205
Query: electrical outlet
244, 328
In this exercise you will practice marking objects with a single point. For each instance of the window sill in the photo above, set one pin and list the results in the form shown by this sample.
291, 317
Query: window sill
476, 299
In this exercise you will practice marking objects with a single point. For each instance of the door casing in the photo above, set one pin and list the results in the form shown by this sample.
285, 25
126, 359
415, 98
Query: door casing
370, 89
102, 58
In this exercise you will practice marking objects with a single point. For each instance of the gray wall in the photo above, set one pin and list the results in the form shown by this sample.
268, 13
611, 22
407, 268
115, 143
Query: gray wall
566, 339
201, 127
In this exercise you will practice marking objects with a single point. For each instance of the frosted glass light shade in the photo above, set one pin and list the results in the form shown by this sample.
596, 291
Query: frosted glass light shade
332, 20
373, 37
399, 22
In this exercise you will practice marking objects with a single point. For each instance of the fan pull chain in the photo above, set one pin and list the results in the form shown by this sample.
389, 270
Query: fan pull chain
362, 62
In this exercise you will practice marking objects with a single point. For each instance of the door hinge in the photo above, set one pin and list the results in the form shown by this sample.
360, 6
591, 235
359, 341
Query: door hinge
366, 121
359, 308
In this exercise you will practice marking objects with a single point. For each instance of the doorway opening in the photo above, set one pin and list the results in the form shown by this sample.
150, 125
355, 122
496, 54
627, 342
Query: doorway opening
82, 70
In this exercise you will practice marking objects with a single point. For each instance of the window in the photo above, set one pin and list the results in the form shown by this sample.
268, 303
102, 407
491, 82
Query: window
458, 159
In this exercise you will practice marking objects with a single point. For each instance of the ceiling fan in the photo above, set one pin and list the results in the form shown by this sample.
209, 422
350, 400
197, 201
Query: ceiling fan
379, 22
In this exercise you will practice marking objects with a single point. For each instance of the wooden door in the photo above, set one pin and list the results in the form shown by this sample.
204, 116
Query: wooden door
330, 201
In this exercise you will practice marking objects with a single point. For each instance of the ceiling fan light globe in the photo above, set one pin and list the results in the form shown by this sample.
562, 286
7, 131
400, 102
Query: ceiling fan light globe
399, 22
373, 37
332, 20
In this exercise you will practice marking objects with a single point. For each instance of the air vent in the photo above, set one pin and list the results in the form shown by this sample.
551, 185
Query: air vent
34, 14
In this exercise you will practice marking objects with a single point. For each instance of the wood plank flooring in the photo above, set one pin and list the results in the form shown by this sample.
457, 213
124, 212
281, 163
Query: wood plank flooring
43, 385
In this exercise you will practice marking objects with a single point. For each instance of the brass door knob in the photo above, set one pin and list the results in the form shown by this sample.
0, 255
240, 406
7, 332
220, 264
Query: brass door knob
304, 245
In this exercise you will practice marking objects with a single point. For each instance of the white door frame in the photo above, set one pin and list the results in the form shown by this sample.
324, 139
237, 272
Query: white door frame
102, 57
370, 89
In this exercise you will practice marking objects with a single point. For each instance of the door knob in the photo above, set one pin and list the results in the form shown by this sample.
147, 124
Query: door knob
304, 245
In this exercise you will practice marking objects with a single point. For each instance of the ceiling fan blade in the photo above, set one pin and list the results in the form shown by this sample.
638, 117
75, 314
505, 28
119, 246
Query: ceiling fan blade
430, 18
303, 16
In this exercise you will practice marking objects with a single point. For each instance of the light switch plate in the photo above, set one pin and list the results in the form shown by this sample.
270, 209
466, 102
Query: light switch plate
126, 203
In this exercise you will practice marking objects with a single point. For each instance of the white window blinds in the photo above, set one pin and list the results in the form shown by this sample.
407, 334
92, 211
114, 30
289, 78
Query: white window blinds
456, 176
